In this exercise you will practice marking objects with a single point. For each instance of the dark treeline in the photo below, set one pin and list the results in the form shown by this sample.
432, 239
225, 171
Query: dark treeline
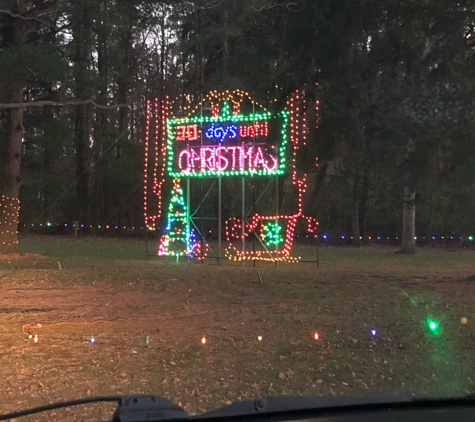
394, 80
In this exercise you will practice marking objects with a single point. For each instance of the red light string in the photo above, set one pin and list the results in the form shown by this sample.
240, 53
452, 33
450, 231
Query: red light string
159, 114
146, 164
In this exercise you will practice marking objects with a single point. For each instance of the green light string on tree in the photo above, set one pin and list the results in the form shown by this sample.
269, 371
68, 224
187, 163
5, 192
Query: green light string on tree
272, 234
176, 240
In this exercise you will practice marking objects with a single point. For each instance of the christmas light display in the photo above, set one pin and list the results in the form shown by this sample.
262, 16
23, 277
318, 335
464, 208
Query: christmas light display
226, 142
220, 137
226, 161
236, 145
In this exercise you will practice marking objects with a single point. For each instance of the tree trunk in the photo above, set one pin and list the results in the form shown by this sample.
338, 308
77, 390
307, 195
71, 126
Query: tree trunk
83, 41
355, 223
103, 65
123, 81
11, 135
225, 42
103, 116
199, 54
363, 211
408, 243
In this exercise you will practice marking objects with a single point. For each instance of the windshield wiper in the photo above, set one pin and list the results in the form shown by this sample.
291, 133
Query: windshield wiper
154, 408
130, 408
59, 405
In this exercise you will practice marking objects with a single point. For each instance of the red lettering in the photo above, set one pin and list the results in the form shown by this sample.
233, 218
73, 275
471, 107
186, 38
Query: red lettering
254, 130
192, 132
186, 133
180, 133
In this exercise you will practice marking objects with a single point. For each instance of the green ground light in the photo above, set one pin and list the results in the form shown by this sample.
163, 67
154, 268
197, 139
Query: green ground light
433, 326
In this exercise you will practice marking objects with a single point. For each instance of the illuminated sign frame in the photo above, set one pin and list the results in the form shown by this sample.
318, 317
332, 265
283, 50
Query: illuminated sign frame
227, 117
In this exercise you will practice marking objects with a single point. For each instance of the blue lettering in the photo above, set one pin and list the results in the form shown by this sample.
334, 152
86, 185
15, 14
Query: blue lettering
234, 131
221, 133
209, 133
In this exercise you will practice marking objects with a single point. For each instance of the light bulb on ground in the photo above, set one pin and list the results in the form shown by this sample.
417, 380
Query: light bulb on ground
433, 326
203, 340
36, 339
373, 332
315, 336
259, 338
463, 320
92, 340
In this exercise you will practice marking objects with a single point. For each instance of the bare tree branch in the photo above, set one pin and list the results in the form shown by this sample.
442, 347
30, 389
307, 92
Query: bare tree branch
35, 14
290, 5
60, 104
25, 18
46, 11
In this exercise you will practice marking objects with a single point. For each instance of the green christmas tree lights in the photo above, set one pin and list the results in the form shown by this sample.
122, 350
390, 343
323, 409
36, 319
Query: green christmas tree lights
176, 240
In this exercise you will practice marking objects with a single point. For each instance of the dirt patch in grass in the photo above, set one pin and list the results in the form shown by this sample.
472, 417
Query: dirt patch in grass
21, 256
148, 319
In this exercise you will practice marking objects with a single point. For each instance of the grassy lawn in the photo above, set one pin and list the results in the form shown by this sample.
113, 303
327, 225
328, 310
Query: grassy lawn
174, 305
